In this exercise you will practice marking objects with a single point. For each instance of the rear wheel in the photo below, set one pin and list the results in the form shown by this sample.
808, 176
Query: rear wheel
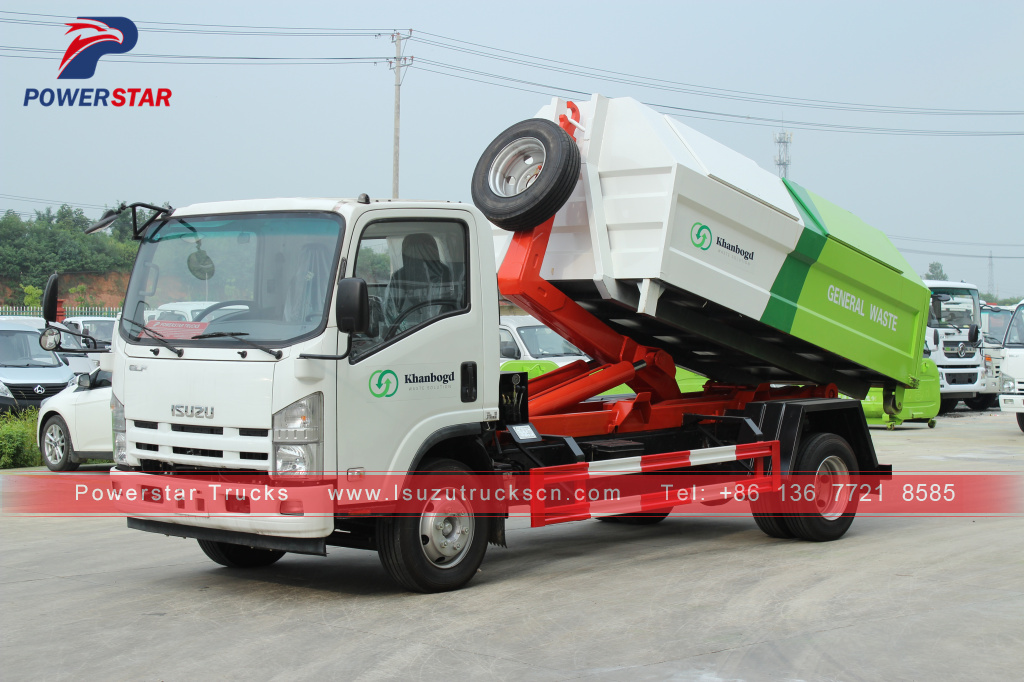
239, 556
439, 550
825, 466
982, 402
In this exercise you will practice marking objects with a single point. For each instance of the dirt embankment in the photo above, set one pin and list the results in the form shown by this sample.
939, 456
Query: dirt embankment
101, 289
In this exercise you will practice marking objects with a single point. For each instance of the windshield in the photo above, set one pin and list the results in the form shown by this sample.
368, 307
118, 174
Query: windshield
266, 276
544, 343
994, 322
960, 311
21, 349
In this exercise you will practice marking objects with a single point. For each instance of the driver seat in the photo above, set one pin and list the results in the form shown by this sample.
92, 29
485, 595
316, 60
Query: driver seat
421, 280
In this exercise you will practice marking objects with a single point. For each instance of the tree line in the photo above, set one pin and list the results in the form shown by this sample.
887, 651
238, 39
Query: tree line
55, 241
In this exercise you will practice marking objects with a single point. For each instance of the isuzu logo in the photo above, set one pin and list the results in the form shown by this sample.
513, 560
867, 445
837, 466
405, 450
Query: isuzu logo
192, 411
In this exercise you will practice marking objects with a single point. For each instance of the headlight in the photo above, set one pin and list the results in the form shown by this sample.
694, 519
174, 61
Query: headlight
120, 438
5, 392
298, 437
1009, 384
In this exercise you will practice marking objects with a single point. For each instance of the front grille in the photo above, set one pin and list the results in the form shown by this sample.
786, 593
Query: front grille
258, 433
150, 447
145, 425
28, 391
256, 456
197, 452
189, 428
960, 379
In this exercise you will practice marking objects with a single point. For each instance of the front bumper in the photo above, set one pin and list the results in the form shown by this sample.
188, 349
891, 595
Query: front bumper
1011, 402
205, 504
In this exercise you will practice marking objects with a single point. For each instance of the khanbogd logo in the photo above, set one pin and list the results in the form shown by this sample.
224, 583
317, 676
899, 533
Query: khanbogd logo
700, 236
93, 37
383, 383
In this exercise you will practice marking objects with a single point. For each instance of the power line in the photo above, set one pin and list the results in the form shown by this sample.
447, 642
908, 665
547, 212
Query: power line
18, 197
520, 58
691, 113
960, 255
946, 241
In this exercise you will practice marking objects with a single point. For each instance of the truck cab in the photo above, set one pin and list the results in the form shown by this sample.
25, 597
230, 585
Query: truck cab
955, 308
1012, 389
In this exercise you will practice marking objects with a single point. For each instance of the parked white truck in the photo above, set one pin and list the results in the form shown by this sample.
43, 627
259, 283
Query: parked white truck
1012, 398
954, 320
362, 337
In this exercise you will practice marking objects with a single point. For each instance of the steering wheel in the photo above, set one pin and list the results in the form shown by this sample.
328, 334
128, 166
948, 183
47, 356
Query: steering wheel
222, 304
394, 328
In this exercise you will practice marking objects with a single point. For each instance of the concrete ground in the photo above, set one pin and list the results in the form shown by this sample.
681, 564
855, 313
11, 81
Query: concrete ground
689, 599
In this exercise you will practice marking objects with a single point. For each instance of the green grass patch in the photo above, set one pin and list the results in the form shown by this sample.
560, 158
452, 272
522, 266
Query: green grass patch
18, 439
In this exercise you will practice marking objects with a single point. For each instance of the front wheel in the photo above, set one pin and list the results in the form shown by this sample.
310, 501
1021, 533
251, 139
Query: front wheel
947, 405
441, 548
980, 403
1020, 420
825, 464
239, 556
55, 444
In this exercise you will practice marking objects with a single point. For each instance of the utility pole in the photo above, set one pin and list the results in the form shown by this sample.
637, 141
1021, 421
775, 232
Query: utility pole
397, 66
992, 277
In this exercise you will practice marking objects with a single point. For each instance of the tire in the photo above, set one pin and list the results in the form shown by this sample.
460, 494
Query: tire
947, 405
410, 547
516, 195
830, 458
239, 556
56, 447
1020, 420
982, 402
638, 519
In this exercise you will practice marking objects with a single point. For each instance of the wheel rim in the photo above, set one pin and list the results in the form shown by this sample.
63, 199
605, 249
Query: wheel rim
446, 532
831, 472
54, 443
516, 167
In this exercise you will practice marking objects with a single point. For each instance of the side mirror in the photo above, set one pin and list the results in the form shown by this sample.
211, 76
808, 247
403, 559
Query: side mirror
49, 339
942, 298
50, 299
85, 381
353, 309
972, 333
108, 217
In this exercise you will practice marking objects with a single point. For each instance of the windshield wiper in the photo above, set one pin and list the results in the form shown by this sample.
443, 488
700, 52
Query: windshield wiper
238, 335
156, 336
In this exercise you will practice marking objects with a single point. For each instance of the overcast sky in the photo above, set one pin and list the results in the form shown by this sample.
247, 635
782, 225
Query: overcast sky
267, 129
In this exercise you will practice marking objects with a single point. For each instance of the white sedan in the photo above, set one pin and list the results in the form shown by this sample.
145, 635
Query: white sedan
74, 425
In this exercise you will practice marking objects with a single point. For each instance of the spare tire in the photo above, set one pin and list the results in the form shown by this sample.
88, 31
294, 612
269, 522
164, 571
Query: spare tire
526, 174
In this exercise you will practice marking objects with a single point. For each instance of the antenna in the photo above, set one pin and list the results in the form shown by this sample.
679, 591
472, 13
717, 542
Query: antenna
782, 160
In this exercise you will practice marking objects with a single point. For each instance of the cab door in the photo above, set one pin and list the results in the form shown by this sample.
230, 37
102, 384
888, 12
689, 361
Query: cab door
418, 370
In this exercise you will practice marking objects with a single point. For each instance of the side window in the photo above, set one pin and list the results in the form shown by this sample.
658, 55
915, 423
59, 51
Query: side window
415, 273
509, 349
1015, 336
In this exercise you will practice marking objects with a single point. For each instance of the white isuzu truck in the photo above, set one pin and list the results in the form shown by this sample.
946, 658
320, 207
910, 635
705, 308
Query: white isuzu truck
1012, 398
954, 320
362, 334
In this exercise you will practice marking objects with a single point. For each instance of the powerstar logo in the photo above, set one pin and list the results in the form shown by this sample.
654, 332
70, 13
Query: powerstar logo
91, 38
383, 383
700, 236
